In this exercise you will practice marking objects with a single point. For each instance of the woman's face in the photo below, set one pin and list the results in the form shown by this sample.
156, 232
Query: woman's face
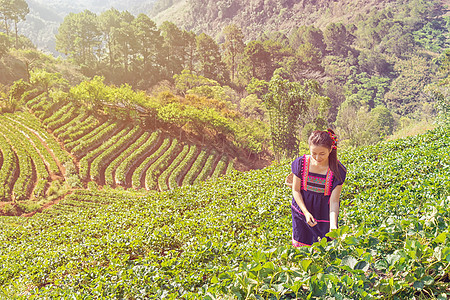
319, 153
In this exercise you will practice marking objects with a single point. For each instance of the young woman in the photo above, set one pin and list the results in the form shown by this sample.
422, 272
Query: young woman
316, 187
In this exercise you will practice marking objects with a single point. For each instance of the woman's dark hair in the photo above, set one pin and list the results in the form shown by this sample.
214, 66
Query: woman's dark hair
328, 140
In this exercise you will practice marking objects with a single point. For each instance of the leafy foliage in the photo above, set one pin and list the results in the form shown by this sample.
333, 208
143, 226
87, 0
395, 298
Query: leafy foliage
229, 238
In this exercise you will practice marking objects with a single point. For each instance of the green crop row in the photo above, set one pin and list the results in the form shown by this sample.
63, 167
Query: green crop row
26, 147
124, 167
90, 156
89, 142
230, 167
33, 102
23, 182
220, 168
32, 122
207, 168
57, 115
150, 147
40, 107
7, 170
149, 160
34, 138
80, 130
68, 127
118, 145
163, 179
195, 168
112, 167
155, 169
64, 119
177, 173
87, 134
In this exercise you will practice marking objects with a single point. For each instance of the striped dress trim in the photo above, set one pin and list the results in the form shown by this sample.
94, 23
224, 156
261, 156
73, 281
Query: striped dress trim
308, 179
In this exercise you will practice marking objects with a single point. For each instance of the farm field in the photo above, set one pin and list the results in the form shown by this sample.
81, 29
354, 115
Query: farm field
230, 238
58, 145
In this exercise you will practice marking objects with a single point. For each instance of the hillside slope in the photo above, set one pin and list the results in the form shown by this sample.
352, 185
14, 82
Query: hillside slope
256, 17
64, 145
232, 236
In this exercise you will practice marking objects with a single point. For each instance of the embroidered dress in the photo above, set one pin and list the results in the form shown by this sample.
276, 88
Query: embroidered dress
315, 190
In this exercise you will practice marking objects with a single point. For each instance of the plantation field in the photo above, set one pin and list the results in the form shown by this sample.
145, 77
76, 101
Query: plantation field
230, 238
60, 144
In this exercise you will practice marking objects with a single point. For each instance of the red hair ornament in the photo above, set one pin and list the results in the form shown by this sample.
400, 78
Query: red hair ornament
334, 139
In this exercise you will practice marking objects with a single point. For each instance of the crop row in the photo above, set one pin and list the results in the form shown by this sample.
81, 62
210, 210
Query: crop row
195, 168
38, 144
207, 168
8, 169
85, 137
34, 125
42, 161
64, 119
85, 162
112, 167
69, 126
105, 152
124, 167
220, 167
78, 130
182, 168
140, 172
61, 114
87, 144
118, 145
153, 172
23, 184
164, 178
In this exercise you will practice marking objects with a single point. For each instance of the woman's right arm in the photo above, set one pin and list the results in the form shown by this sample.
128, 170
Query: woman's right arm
296, 184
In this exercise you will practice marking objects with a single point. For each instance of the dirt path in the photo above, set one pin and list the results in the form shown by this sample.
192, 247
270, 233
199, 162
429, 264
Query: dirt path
46, 205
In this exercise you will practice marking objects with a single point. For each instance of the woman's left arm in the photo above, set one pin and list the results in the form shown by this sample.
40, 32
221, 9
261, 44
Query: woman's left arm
334, 206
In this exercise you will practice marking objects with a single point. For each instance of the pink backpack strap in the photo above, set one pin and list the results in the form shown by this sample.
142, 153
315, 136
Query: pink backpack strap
305, 171
328, 183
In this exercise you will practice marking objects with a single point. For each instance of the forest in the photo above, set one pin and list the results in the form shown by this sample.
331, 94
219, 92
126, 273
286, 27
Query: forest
367, 78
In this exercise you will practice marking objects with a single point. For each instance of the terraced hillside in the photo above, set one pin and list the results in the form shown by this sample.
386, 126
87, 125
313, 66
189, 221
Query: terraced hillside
37, 147
230, 238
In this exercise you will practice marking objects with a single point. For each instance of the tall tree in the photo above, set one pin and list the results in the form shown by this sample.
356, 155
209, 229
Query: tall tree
148, 41
13, 10
173, 49
233, 47
79, 36
338, 39
211, 65
126, 40
19, 11
259, 60
4, 44
6, 13
191, 50
286, 102
109, 21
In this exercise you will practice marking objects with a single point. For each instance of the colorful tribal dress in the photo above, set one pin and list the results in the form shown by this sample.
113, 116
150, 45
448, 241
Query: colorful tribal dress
315, 190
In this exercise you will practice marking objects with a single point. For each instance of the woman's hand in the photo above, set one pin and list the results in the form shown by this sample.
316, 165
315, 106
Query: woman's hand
310, 220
